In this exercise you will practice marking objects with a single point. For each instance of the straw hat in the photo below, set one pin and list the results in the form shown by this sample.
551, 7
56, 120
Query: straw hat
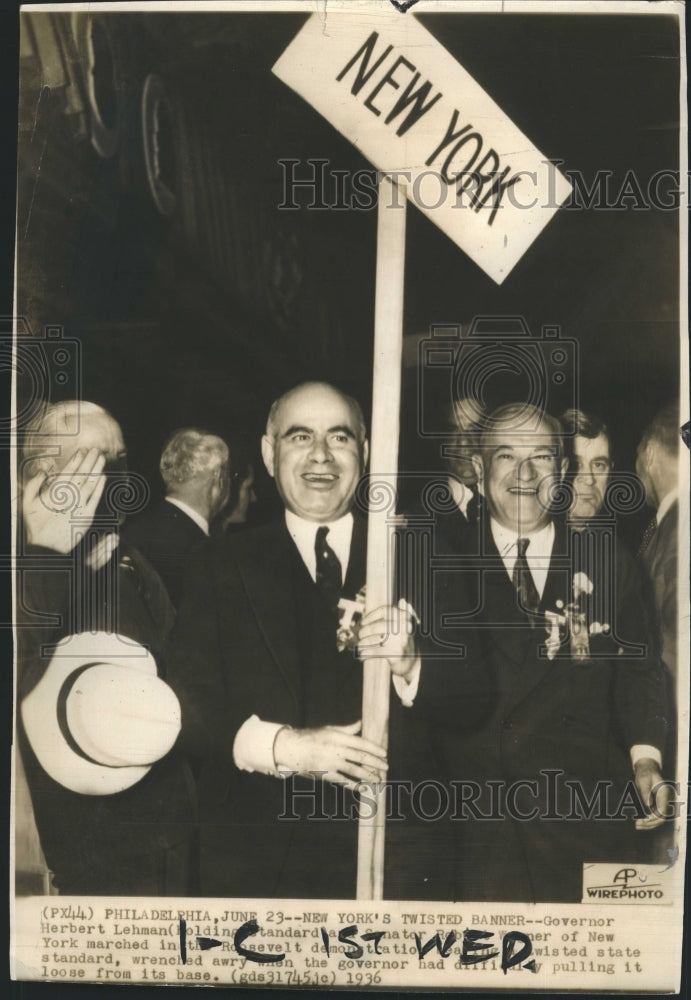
100, 716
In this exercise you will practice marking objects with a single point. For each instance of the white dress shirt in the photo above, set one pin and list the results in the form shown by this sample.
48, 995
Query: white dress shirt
253, 747
304, 534
538, 554
461, 494
193, 514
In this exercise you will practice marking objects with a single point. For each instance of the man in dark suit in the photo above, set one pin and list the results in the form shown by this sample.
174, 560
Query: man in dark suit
194, 468
106, 826
270, 686
557, 679
657, 464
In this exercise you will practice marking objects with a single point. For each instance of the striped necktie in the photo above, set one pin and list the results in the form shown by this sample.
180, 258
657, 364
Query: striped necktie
522, 578
647, 535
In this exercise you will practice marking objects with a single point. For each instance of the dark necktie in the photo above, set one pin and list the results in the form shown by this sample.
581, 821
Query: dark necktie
647, 535
473, 509
328, 568
528, 597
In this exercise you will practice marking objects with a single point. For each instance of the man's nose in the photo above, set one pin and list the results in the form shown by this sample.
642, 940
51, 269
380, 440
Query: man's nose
586, 475
525, 470
320, 451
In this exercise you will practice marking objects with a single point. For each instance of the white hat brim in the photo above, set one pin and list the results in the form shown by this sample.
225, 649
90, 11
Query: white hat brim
40, 713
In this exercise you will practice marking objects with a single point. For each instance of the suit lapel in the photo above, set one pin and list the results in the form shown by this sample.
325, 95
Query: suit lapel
357, 563
512, 635
268, 569
664, 539
268, 573
450, 533
506, 626
561, 569
539, 669
184, 521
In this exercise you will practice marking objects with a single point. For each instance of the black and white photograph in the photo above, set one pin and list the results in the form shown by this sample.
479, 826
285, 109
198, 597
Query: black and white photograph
350, 442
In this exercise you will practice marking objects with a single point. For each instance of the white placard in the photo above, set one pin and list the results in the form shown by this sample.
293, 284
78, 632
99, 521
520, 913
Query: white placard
390, 87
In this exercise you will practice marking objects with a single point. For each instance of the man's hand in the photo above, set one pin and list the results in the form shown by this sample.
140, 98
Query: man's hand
54, 505
389, 632
337, 750
100, 554
655, 794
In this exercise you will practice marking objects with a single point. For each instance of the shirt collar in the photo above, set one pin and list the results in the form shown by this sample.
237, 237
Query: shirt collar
193, 514
538, 554
304, 533
461, 494
666, 504
505, 539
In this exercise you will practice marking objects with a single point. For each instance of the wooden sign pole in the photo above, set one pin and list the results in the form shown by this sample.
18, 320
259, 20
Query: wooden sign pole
386, 404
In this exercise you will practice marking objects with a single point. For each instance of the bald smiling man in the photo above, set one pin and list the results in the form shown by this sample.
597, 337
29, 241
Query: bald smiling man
271, 691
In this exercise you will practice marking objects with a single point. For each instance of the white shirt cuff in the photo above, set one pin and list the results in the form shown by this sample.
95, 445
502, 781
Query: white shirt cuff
253, 747
407, 689
641, 750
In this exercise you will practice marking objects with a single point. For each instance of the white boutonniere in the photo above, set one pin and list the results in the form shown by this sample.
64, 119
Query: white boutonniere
582, 584
571, 620
349, 617
555, 623
578, 617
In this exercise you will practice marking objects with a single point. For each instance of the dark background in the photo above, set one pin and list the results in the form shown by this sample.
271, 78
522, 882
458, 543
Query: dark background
205, 316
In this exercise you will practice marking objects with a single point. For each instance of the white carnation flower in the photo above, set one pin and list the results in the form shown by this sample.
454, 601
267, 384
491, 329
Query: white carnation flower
582, 584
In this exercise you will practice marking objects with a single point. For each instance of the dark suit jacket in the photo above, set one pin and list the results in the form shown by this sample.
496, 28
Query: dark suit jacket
660, 565
110, 844
255, 636
508, 714
167, 537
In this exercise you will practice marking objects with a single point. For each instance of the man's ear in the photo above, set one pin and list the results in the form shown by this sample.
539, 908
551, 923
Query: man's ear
365, 453
563, 466
268, 454
479, 468
222, 478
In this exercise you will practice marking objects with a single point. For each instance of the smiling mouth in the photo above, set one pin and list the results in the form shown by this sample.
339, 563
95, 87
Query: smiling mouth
319, 479
522, 492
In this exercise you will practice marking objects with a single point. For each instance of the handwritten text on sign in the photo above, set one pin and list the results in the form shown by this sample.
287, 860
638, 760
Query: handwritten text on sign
389, 86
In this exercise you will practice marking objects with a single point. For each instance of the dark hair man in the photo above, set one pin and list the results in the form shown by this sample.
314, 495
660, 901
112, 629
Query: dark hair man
590, 463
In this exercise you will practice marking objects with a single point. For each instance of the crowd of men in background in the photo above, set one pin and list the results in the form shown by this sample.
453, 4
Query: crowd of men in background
543, 660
